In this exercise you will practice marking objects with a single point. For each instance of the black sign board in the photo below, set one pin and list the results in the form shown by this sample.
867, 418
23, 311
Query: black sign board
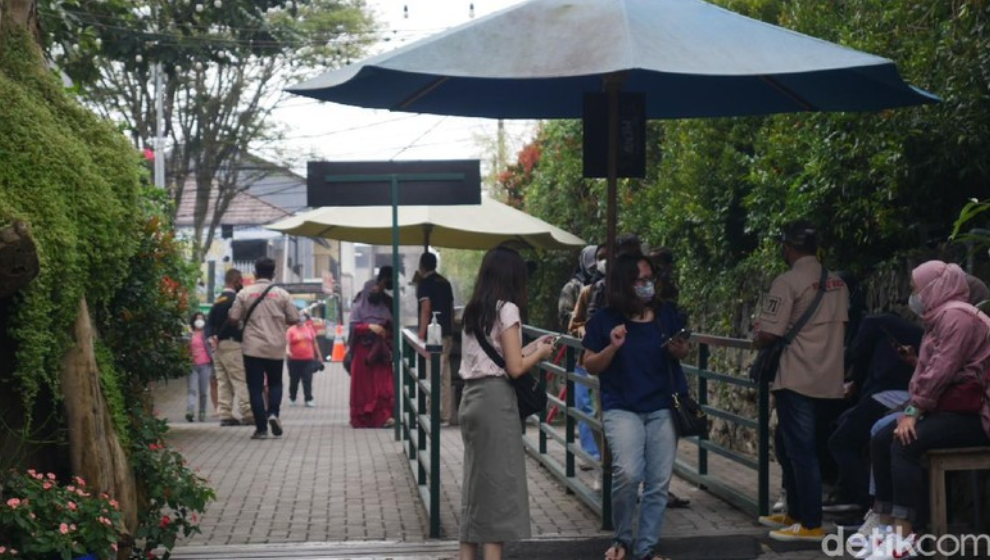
632, 135
369, 183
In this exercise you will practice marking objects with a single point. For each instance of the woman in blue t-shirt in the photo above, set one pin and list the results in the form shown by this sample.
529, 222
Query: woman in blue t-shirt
632, 347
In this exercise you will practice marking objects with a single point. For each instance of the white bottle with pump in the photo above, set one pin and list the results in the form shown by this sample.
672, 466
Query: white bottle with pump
434, 334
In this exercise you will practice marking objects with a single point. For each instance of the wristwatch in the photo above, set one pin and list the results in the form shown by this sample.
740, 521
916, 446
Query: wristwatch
911, 410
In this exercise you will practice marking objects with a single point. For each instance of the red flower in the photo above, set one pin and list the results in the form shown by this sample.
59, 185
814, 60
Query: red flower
165, 521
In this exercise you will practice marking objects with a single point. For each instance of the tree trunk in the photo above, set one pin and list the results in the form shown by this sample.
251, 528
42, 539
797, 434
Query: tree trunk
23, 13
94, 448
18, 258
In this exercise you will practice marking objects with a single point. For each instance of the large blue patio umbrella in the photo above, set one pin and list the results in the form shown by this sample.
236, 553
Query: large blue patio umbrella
536, 60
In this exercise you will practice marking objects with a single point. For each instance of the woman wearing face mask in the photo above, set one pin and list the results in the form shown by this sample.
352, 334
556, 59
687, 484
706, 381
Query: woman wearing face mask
202, 372
632, 347
304, 357
949, 405
372, 389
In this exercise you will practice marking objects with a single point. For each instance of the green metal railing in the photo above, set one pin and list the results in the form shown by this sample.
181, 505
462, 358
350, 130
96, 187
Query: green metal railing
759, 504
420, 420
599, 501
567, 442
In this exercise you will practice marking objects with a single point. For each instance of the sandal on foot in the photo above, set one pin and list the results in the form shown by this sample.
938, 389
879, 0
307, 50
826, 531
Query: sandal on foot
616, 551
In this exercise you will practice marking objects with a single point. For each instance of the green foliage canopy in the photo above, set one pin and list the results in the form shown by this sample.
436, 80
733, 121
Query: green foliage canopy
877, 185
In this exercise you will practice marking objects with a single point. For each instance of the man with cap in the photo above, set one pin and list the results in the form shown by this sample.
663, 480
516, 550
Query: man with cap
810, 372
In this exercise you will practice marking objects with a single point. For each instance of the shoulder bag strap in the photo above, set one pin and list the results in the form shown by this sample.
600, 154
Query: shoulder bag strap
806, 316
492, 353
255, 304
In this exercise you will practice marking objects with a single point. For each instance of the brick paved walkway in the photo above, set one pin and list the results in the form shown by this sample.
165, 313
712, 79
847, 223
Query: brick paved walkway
327, 491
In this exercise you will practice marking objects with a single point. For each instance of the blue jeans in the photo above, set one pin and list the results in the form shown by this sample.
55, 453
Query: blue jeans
643, 446
797, 453
585, 404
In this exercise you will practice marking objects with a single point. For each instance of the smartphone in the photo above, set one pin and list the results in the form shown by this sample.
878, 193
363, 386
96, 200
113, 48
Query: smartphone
890, 338
903, 350
683, 334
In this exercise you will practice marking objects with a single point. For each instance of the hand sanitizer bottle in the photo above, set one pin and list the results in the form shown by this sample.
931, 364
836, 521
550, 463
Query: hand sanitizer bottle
434, 334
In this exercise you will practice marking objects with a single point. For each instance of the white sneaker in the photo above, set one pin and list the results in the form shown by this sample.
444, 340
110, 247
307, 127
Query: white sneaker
292, 403
860, 538
864, 543
781, 504
895, 547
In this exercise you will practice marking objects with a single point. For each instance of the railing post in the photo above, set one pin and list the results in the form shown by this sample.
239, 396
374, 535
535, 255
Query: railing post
703, 354
435, 393
420, 408
763, 434
570, 425
409, 356
542, 436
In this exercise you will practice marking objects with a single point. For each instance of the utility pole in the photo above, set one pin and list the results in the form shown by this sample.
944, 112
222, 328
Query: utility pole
159, 111
159, 127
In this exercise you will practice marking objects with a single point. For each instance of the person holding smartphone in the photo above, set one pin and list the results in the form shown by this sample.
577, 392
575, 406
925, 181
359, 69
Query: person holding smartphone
633, 347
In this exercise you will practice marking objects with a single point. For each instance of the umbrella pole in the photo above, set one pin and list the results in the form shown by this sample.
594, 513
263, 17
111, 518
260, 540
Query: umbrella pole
613, 84
397, 335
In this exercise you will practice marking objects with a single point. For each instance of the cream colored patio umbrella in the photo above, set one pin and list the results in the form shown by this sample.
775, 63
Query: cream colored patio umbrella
481, 226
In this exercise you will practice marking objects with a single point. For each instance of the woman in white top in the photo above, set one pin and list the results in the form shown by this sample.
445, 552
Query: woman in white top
495, 500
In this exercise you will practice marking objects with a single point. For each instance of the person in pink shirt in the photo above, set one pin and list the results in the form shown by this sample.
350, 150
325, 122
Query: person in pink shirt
202, 372
304, 358
948, 405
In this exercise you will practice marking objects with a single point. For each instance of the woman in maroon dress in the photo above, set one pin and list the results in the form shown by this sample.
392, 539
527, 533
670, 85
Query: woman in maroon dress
372, 378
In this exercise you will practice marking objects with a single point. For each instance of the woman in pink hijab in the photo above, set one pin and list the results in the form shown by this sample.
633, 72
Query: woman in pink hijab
949, 405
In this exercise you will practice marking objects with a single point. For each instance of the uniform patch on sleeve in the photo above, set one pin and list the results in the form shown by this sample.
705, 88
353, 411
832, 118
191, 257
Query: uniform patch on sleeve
771, 305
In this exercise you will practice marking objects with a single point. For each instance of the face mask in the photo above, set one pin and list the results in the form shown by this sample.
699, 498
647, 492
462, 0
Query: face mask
601, 266
916, 305
644, 293
199, 323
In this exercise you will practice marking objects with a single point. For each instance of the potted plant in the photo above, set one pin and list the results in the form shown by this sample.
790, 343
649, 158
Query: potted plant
43, 519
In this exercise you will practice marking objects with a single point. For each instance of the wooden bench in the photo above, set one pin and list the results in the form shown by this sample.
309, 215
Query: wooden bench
941, 461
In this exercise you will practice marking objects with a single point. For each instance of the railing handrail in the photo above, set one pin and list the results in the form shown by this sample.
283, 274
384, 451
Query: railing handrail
417, 405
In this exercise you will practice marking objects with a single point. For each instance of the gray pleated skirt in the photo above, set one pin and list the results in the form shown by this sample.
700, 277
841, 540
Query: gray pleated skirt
495, 499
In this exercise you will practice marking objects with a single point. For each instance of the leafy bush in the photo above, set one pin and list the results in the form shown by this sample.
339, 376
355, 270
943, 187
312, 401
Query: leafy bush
172, 495
40, 518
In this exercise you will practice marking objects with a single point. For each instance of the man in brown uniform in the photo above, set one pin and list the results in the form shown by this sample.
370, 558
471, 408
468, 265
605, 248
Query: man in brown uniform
267, 312
810, 371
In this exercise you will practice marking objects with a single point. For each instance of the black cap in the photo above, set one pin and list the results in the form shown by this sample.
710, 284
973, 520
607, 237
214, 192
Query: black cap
801, 235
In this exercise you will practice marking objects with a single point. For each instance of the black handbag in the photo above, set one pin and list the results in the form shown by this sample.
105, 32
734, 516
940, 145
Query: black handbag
764, 368
689, 419
530, 396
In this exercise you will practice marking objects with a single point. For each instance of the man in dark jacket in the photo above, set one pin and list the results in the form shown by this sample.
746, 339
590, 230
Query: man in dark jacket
225, 338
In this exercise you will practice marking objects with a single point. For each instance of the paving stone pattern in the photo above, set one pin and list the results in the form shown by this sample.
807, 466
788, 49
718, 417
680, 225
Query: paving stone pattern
351, 494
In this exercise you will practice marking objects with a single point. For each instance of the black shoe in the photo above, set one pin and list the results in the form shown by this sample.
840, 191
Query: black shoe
850, 522
259, 435
675, 502
275, 425
230, 422
190, 417
839, 505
